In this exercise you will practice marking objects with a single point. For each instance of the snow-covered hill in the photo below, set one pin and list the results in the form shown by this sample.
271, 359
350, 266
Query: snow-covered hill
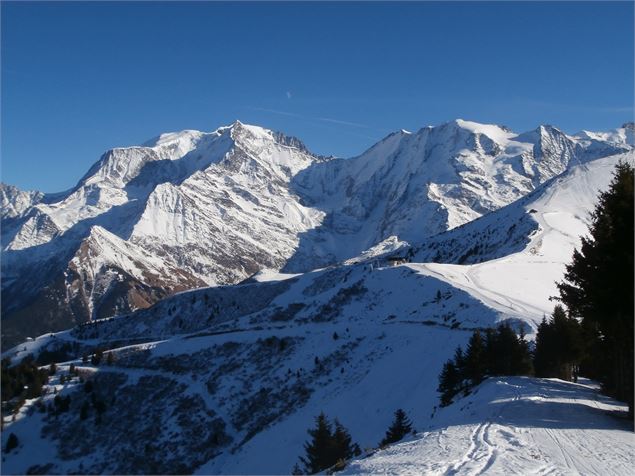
227, 379
190, 209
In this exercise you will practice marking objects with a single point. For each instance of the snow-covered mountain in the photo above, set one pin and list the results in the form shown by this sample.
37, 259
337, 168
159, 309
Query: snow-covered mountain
227, 379
190, 209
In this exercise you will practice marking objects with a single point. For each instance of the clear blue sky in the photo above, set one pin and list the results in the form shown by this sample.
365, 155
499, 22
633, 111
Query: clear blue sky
79, 78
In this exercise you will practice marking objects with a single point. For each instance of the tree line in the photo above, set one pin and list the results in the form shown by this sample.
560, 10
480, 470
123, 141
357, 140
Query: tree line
498, 352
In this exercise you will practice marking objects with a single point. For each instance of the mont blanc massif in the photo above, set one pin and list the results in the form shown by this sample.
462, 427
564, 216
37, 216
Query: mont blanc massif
198, 300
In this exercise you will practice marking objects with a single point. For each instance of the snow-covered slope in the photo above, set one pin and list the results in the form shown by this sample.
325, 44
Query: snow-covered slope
520, 251
516, 426
191, 208
624, 135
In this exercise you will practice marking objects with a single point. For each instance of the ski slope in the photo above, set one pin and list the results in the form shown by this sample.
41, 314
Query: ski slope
516, 425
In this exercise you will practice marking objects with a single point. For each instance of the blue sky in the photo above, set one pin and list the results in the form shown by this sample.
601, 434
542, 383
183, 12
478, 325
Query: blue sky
79, 78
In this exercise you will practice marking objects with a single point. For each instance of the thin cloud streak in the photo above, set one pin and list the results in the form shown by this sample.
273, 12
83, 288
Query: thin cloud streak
321, 119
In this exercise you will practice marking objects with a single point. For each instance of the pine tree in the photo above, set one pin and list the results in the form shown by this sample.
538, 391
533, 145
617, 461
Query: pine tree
399, 428
319, 450
448, 383
12, 442
343, 446
598, 284
475, 362
328, 448
544, 357
567, 351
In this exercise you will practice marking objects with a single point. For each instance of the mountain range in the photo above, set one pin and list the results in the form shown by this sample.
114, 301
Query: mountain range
193, 209
241, 285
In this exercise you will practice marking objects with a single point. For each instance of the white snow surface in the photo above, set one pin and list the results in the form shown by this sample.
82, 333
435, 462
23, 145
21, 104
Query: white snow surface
516, 425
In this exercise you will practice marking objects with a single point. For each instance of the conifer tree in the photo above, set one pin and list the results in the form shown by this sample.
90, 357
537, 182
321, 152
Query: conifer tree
598, 284
544, 350
319, 449
342, 443
399, 428
475, 363
448, 383
12, 442
327, 447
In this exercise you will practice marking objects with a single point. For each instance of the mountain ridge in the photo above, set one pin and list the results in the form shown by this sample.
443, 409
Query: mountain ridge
217, 207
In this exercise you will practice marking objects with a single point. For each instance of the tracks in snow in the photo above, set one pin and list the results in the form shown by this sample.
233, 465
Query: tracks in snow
480, 456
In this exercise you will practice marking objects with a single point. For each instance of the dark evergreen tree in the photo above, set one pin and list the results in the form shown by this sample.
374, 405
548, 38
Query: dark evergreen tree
544, 350
449, 380
12, 442
459, 364
399, 428
327, 447
598, 285
475, 362
558, 346
521, 357
319, 449
342, 443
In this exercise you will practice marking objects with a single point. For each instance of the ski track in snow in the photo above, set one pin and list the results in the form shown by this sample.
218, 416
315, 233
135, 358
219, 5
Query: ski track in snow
516, 425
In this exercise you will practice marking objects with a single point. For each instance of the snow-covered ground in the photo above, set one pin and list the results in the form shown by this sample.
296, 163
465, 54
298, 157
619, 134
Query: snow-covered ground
516, 425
